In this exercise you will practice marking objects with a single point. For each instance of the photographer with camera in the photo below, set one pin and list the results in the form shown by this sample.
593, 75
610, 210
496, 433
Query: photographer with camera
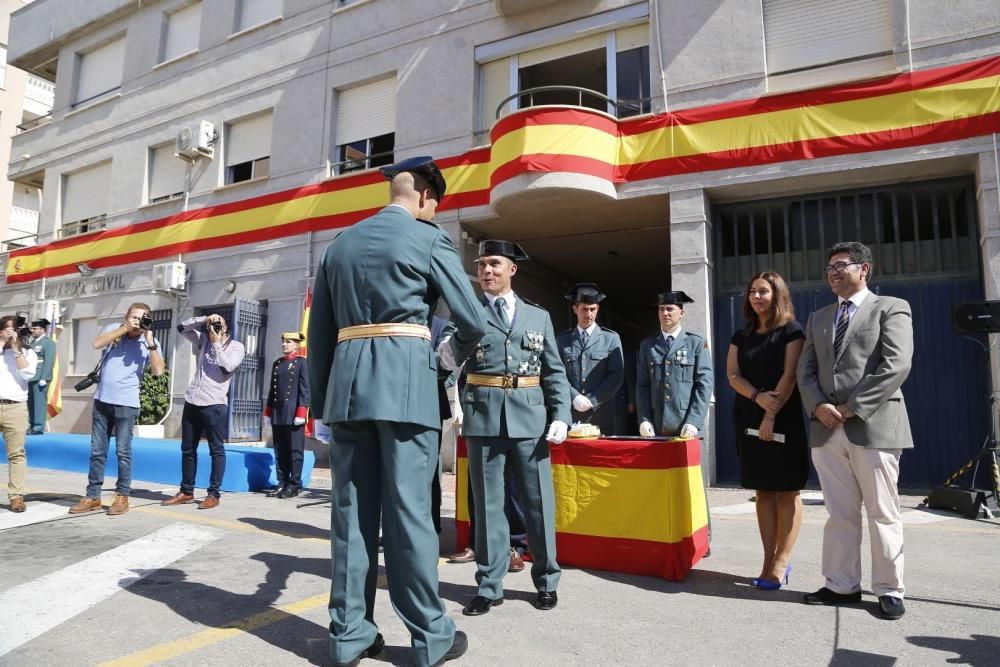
128, 348
19, 362
206, 407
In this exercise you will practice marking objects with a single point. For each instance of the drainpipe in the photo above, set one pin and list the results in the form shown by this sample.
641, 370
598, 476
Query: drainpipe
659, 52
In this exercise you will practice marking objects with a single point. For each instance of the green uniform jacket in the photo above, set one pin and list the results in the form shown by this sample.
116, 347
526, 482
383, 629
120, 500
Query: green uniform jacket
673, 387
595, 370
389, 268
45, 349
528, 349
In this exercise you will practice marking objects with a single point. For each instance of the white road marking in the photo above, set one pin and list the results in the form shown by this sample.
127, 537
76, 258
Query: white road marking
36, 513
926, 516
50, 600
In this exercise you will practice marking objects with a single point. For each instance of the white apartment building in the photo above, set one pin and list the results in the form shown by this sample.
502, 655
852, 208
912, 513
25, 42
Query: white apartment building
663, 144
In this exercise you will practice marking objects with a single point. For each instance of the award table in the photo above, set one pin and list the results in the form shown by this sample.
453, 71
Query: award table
635, 506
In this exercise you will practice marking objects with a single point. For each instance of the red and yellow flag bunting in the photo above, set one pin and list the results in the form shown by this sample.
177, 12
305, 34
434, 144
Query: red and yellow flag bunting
931, 106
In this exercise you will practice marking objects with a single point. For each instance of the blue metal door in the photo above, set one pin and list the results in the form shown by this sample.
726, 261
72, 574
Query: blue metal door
923, 238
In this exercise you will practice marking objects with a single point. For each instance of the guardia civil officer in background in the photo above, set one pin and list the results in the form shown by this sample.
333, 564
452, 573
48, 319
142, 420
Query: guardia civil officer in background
373, 377
594, 361
515, 386
287, 408
38, 387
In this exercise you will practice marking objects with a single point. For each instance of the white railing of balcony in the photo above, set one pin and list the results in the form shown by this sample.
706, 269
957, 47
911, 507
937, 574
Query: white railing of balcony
40, 91
23, 222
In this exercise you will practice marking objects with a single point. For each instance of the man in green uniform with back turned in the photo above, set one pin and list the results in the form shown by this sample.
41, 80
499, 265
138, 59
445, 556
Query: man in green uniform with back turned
373, 376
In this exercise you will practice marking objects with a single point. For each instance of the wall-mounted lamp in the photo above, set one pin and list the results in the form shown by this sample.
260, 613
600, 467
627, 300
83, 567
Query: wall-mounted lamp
230, 287
85, 269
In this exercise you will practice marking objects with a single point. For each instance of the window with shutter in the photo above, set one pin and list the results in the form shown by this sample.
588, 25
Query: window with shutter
252, 13
183, 28
814, 42
365, 126
100, 71
248, 148
85, 199
166, 174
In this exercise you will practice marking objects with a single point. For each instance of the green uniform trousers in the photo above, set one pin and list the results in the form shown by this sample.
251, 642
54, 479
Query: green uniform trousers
385, 468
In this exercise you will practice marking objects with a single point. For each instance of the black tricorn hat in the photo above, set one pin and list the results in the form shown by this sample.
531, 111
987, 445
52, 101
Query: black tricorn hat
44, 323
507, 249
585, 293
425, 167
676, 298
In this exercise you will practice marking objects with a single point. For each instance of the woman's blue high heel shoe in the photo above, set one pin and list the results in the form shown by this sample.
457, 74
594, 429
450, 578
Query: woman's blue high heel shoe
767, 585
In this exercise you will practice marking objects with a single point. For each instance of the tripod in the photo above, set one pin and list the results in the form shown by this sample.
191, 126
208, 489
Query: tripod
970, 500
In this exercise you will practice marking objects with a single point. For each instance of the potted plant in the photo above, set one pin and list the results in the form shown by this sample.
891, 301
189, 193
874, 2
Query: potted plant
154, 400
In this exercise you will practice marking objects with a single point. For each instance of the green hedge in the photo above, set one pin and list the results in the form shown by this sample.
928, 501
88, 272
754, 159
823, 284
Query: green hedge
154, 397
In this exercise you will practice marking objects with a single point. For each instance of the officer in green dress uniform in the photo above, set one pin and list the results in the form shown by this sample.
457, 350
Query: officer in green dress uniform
373, 378
38, 386
594, 361
515, 385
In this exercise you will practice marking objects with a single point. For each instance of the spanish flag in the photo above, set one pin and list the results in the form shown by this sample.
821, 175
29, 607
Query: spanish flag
54, 398
636, 507
303, 348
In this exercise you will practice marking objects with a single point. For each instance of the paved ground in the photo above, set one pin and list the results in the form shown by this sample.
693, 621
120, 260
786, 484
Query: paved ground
246, 584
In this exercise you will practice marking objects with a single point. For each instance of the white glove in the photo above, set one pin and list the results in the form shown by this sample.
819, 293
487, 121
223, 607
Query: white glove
582, 404
689, 431
646, 429
557, 432
456, 407
42, 383
446, 355
299, 421
322, 433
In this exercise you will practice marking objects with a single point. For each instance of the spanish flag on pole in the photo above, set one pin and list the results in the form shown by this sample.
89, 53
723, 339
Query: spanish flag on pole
304, 348
54, 398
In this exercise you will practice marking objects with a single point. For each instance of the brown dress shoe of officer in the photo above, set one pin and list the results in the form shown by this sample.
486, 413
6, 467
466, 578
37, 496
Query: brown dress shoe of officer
209, 502
178, 499
86, 505
119, 505
17, 504
516, 562
467, 555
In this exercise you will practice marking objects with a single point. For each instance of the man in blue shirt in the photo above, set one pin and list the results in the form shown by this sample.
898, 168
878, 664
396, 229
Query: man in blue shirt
130, 346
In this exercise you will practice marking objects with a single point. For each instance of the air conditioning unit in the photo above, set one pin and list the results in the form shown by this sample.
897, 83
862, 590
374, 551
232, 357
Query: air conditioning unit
48, 310
171, 277
196, 139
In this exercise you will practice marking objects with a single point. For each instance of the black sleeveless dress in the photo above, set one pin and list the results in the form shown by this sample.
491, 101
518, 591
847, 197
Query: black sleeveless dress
770, 466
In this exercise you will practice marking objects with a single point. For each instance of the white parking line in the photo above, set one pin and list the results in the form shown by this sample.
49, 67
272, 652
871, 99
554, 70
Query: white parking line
36, 513
50, 600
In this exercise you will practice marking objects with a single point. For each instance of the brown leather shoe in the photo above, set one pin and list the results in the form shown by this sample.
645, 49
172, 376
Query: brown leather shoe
516, 562
467, 555
178, 499
209, 502
86, 505
17, 504
119, 505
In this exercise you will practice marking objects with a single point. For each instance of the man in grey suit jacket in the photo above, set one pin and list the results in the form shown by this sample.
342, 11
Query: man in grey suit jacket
373, 376
515, 385
856, 356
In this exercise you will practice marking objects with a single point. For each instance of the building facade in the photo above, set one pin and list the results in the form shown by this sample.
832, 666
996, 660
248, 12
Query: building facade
642, 145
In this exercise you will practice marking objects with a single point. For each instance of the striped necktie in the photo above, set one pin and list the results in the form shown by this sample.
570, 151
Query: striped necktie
842, 322
501, 305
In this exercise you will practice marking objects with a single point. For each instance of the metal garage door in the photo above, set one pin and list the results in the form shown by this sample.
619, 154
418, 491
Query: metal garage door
923, 237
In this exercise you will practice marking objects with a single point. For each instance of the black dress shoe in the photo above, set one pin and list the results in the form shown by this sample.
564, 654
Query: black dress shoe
458, 647
891, 607
546, 600
480, 605
276, 493
289, 492
369, 652
826, 596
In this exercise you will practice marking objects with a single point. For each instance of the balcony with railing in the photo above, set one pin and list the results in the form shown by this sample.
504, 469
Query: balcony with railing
39, 96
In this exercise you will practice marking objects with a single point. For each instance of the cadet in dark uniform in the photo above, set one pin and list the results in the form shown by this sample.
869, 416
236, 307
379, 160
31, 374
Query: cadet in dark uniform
515, 385
373, 377
287, 408
38, 386
594, 362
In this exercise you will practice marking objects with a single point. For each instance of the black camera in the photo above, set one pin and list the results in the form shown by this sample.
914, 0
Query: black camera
92, 378
23, 330
216, 326
146, 322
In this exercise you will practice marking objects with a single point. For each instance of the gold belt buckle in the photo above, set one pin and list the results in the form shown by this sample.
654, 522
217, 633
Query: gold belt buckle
508, 381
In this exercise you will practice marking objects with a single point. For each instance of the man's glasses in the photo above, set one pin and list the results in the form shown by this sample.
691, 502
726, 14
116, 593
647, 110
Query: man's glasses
839, 267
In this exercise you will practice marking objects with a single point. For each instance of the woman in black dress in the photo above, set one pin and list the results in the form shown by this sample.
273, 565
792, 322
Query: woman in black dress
761, 368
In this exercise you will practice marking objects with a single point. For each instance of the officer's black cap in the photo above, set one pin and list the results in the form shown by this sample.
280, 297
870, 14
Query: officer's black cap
44, 323
676, 298
508, 249
422, 165
585, 293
